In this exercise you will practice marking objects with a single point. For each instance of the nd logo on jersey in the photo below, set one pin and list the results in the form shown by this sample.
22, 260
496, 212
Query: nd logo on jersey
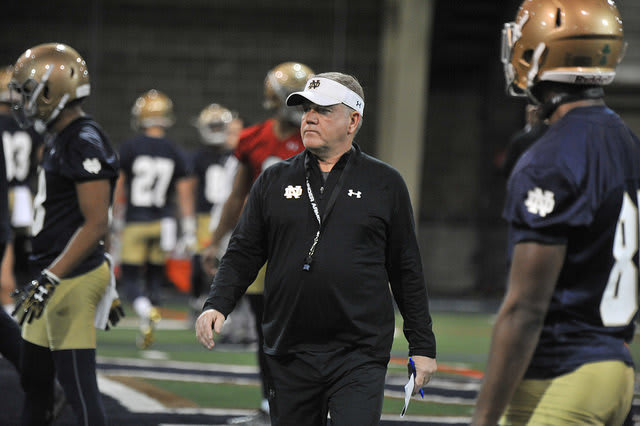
92, 165
540, 202
293, 191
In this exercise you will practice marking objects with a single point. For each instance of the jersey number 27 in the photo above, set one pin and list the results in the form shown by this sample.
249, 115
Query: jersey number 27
152, 176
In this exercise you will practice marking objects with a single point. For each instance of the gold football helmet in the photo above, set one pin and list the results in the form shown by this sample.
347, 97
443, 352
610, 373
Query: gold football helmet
213, 123
152, 108
46, 78
282, 81
5, 78
575, 42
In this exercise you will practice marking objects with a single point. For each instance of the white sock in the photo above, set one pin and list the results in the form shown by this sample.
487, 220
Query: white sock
142, 306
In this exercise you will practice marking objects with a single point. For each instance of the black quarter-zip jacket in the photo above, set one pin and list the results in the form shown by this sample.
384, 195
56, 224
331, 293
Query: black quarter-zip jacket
367, 242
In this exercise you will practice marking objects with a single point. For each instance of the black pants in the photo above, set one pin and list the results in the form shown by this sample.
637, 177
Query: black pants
10, 339
348, 384
21, 252
143, 280
75, 369
200, 282
256, 301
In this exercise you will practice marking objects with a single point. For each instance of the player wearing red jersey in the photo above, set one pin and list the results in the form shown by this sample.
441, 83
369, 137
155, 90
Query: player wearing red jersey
265, 144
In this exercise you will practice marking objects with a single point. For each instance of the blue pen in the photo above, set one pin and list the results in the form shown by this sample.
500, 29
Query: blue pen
412, 370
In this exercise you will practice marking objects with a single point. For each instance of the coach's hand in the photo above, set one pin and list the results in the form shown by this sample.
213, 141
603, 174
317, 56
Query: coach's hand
425, 368
31, 300
208, 322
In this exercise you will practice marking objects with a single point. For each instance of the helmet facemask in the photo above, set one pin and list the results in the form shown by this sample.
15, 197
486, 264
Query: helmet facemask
511, 33
277, 102
292, 115
6, 74
213, 124
214, 133
26, 104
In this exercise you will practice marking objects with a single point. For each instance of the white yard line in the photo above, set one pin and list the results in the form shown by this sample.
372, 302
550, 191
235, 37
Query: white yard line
426, 419
202, 366
433, 398
439, 383
140, 368
131, 399
138, 402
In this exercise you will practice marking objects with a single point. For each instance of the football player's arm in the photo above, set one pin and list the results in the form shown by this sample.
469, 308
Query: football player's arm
534, 272
229, 216
246, 254
185, 188
404, 267
120, 195
232, 207
93, 199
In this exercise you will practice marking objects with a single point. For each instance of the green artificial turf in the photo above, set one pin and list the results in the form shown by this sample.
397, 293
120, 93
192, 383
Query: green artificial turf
463, 342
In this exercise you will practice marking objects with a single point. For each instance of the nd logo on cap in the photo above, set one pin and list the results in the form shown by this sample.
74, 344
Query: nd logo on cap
314, 84
325, 92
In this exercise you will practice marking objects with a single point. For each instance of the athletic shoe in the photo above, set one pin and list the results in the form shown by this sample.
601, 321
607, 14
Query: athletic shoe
147, 330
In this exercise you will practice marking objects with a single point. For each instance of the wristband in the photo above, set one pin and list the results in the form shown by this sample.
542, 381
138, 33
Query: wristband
188, 225
51, 276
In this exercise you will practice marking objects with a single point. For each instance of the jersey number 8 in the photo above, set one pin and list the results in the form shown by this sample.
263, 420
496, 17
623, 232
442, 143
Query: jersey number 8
620, 298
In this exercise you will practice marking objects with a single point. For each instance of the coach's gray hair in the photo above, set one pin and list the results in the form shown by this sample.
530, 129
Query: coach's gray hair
349, 82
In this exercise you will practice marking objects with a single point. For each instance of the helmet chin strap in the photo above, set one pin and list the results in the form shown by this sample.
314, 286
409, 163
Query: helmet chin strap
550, 106
57, 109
41, 125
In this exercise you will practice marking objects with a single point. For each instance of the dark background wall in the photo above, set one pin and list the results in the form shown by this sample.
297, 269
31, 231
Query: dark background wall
470, 120
197, 51
203, 51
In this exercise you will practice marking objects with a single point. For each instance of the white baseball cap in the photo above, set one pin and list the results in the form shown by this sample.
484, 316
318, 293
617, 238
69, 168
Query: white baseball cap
325, 92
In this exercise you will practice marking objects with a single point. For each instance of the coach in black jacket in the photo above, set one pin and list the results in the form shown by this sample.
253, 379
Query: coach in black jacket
336, 226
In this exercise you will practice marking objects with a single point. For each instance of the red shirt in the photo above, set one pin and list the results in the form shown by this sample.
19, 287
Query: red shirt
260, 148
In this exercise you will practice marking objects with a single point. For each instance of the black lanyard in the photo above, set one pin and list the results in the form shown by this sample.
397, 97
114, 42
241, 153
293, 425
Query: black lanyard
314, 206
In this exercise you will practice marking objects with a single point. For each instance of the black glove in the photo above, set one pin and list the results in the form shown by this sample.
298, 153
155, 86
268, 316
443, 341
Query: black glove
31, 300
115, 313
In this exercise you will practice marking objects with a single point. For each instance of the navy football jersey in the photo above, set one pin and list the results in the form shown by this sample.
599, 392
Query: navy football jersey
20, 150
579, 186
151, 166
214, 168
79, 153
